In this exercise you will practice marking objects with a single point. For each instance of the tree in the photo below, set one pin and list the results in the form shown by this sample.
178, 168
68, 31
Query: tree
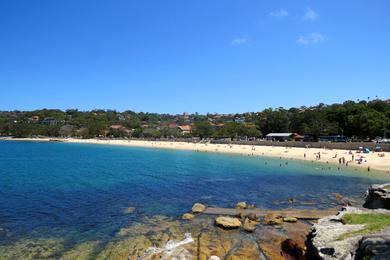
203, 129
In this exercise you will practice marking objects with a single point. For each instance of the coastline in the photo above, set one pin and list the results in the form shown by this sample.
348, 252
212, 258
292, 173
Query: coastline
370, 160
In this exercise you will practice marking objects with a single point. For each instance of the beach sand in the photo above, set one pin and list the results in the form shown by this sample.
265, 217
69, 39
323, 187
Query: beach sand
370, 161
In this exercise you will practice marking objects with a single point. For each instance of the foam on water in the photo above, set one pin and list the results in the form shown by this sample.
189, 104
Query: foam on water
168, 249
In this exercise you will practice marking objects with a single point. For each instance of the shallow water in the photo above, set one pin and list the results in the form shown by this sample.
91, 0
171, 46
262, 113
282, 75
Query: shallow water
79, 192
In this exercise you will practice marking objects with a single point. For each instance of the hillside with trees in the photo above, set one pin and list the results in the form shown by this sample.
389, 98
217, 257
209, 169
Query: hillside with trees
358, 120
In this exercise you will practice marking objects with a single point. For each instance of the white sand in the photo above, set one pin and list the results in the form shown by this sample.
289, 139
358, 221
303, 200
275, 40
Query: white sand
371, 160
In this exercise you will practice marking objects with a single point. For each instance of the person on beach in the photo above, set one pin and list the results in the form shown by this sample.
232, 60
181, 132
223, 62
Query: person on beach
290, 250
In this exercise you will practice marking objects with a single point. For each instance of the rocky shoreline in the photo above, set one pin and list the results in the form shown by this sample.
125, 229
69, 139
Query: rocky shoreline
332, 238
247, 233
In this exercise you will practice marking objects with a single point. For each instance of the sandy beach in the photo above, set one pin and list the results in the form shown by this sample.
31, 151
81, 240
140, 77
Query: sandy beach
370, 160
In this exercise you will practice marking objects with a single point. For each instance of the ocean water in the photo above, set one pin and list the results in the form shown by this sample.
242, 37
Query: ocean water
79, 191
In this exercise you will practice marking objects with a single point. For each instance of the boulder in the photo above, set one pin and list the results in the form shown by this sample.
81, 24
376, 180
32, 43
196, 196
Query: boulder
198, 208
273, 219
374, 246
249, 225
378, 196
241, 205
214, 257
187, 216
290, 219
228, 222
326, 239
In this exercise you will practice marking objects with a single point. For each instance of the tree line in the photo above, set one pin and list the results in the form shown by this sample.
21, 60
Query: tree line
359, 120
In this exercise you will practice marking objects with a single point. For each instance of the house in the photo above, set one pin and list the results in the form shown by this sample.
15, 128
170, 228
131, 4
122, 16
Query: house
283, 137
185, 129
116, 127
49, 121
33, 119
239, 120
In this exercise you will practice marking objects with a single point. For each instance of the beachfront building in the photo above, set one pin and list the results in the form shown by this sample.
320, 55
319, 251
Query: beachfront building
185, 129
283, 137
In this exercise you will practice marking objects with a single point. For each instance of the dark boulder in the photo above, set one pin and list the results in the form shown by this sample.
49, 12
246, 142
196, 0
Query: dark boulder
378, 197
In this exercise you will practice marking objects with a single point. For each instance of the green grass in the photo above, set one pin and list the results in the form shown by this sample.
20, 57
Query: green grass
387, 187
372, 222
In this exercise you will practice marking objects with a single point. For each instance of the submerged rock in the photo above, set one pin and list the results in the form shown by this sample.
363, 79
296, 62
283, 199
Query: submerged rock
241, 205
228, 222
188, 216
337, 196
3, 232
273, 219
198, 208
378, 196
290, 219
129, 210
82, 251
33, 249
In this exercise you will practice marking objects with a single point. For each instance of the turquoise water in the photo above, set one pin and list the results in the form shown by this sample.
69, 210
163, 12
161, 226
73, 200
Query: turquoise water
79, 191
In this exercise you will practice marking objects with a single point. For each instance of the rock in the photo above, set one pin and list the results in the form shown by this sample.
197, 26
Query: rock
378, 196
241, 205
337, 196
273, 219
249, 225
214, 257
226, 245
374, 246
129, 210
326, 242
81, 251
198, 208
187, 216
3, 232
228, 222
253, 216
290, 219
176, 253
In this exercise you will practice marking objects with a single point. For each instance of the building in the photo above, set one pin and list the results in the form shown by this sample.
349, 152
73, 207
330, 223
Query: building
33, 119
49, 121
283, 137
185, 129
333, 138
186, 116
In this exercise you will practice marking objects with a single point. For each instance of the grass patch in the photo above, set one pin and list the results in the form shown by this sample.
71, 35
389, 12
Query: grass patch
387, 187
372, 222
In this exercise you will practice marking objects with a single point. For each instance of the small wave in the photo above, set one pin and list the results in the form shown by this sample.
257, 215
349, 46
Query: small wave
220, 179
169, 248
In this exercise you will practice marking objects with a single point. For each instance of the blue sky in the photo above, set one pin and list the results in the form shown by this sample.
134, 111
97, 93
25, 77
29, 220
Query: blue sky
196, 55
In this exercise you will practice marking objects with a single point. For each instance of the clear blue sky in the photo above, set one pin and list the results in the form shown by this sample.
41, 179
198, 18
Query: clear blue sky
197, 56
